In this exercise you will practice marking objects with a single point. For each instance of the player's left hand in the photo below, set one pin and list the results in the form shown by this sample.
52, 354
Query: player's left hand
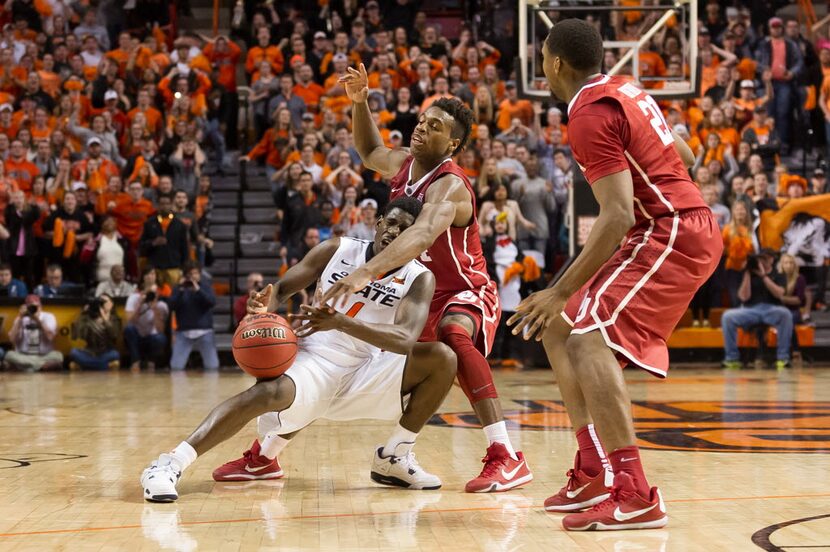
319, 318
341, 289
537, 312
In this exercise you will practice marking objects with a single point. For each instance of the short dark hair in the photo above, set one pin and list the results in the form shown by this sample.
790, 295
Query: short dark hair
559, 150
463, 119
304, 173
406, 204
5, 266
191, 265
578, 43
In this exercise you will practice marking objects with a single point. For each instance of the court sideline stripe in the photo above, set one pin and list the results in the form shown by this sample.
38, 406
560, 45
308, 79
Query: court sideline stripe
372, 514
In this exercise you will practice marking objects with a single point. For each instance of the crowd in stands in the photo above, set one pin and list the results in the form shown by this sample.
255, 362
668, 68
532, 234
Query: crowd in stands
111, 123
108, 133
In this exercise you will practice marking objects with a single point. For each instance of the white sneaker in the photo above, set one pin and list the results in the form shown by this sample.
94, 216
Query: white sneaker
402, 471
159, 480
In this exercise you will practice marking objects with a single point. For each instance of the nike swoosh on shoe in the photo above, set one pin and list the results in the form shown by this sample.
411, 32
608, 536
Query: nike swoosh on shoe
619, 515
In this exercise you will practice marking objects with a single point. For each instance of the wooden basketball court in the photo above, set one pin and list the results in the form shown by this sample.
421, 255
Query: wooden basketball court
742, 459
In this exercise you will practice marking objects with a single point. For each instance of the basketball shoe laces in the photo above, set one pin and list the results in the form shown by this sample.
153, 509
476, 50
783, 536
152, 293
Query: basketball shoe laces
408, 462
618, 494
492, 464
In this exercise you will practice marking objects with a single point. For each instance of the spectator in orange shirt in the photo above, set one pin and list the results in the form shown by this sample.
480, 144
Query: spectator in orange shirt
19, 168
50, 81
104, 168
223, 56
341, 46
42, 126
442, 90
129, 55
263, 51
716, 123
382, 64
154, 122
132, 212
332, 86
514, 108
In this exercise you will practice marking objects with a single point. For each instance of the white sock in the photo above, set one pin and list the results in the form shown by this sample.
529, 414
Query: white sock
497, 433
184, 455
606, 465
272, 445
400, 443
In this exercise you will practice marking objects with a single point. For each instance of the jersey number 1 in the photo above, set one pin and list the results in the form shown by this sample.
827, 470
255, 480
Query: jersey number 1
652, 111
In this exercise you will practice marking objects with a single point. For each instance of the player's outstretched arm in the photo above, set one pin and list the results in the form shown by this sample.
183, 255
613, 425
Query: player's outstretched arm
367, 140
447, 201
615, 195
398, 337
296, 278
683, 150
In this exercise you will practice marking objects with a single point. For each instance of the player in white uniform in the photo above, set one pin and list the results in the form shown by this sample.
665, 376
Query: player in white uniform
358, 361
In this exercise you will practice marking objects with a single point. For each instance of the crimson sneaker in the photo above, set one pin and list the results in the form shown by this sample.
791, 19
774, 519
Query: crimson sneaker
624, 509
500, 472
251, 466
582, 491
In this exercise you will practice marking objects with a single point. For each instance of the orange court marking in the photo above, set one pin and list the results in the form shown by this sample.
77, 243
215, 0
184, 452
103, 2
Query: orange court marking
372, 514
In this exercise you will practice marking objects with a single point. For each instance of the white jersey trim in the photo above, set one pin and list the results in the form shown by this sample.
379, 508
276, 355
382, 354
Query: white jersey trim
455, 259
603, 80
656, 190
410, 188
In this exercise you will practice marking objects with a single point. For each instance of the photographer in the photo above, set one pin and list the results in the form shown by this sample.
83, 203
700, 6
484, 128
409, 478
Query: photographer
255, 283
759, 294
193, 304
32, 334
99, 326
146, 319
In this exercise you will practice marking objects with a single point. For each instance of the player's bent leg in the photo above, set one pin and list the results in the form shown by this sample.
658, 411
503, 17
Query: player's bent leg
632, 504
428, 377
588, 481
504, 468
160, 478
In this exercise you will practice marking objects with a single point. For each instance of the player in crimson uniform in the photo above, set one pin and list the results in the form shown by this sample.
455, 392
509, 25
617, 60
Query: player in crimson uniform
465, 308
617, 308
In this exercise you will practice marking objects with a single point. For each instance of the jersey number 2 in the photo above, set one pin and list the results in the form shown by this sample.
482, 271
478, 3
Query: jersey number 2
652, 111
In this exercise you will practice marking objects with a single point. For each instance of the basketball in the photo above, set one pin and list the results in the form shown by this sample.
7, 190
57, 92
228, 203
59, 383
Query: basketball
264, 345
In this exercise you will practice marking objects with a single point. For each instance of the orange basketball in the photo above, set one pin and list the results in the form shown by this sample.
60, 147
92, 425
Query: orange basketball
264, 345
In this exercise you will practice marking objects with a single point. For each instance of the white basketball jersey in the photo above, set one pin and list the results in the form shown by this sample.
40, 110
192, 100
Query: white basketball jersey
378, 302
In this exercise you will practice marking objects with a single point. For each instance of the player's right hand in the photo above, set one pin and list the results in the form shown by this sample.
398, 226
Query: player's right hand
258, 301
356, 84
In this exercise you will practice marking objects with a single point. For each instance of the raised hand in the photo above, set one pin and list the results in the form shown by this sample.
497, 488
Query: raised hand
356, 84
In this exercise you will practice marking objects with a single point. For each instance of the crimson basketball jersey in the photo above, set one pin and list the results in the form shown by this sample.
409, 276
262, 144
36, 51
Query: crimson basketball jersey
455, 257
613, 126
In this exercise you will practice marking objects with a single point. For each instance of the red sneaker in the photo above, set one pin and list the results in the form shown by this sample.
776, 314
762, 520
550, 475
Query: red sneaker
624, 509
500, 472
582, 491
251, 466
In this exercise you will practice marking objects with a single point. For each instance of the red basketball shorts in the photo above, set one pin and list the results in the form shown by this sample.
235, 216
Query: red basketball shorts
480, 305
639, 295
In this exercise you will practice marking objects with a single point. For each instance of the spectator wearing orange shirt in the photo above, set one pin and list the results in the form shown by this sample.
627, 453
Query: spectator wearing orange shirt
223, 55
131, 212
50, 81
442, 90
514, 108
19, 168
263, 51
382, 64
129, 55
154, 121
306, 89
341, 46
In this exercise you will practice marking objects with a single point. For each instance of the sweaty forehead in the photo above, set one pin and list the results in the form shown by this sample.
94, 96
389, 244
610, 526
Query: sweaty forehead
438, 114
399, 216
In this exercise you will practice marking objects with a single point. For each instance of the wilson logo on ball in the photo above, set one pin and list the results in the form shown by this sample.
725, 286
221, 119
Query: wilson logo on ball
276, 333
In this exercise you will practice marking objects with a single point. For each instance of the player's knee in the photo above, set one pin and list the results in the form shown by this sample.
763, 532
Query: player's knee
446, 361
276, 394
455, 322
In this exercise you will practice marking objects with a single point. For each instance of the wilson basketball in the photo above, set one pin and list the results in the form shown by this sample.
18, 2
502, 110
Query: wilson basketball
264, 345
